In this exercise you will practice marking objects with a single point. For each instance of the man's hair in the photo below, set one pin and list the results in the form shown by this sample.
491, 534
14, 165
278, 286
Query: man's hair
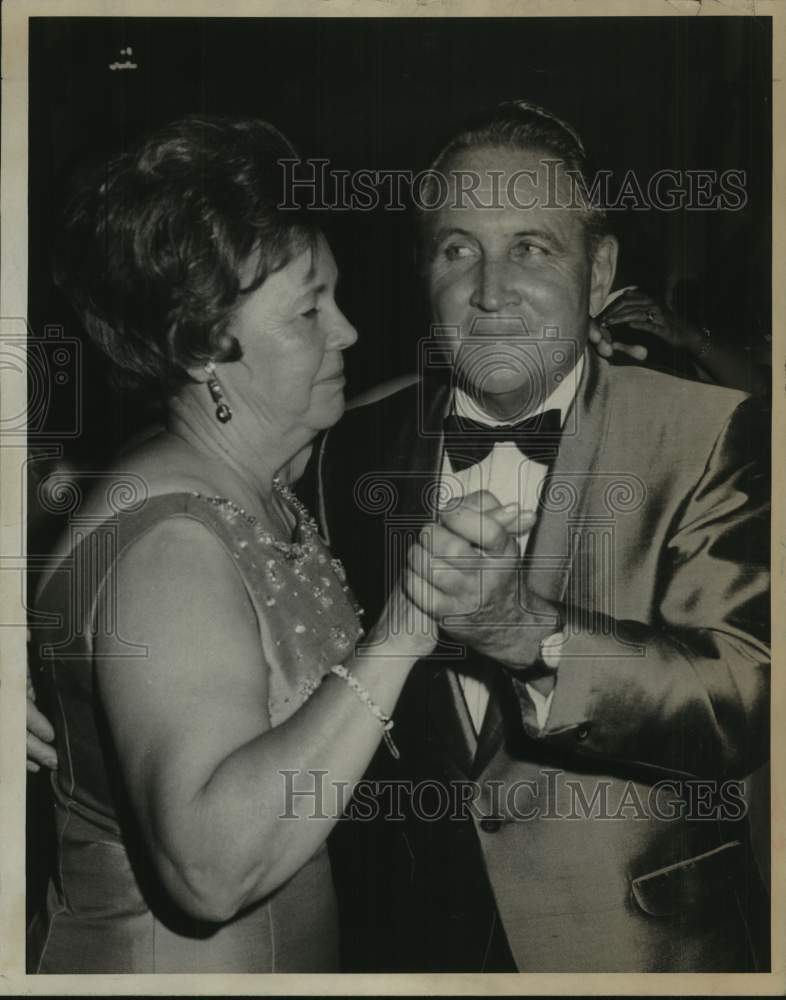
151, 246
520, 125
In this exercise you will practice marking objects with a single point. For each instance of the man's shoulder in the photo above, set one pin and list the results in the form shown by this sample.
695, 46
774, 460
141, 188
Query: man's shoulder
387, 390
659, 399
384, 409
662, 423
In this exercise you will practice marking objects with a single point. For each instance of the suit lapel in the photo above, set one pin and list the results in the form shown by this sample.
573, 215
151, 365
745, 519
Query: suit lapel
451, 720
566, 489
492, 733
417, 459
550, 551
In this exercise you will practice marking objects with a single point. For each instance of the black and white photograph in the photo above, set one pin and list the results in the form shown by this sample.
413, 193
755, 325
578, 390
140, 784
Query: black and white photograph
387, 505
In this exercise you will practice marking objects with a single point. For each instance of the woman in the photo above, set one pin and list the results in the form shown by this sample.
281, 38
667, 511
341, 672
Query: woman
206, 663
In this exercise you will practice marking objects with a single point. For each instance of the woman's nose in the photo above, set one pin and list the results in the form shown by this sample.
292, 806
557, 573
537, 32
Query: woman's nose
343, 333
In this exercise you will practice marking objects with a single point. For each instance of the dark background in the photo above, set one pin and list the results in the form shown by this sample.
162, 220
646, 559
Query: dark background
645, 94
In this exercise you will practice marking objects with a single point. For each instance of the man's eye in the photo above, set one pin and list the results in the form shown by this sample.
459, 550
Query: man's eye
455, 251
310, 313
526, 249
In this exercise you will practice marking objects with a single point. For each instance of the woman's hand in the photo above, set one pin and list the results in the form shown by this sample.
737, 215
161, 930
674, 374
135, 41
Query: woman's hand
713, 359
404, 630
640, 311
606, 346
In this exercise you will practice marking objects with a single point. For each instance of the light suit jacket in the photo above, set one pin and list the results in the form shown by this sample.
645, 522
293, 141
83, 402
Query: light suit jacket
614, 839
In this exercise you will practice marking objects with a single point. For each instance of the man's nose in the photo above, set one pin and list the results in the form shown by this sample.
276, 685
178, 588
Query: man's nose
494, 289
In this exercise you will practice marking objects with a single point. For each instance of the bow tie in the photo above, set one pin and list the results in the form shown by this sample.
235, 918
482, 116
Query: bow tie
468, 442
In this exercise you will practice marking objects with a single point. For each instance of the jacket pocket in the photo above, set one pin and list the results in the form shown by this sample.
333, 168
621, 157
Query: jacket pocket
695, 883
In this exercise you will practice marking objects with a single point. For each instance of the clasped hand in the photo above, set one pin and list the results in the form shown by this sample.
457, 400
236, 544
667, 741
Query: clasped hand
465, 573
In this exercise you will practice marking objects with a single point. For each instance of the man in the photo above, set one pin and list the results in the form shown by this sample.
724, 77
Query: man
603, 676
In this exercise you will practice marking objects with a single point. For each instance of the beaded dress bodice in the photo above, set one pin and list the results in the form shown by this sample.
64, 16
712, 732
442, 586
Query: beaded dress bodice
309, 620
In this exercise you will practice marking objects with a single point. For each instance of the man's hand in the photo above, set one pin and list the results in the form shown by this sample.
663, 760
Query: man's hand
465, 572
39, 735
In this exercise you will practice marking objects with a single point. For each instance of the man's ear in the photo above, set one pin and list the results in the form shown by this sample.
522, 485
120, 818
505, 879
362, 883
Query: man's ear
604, 267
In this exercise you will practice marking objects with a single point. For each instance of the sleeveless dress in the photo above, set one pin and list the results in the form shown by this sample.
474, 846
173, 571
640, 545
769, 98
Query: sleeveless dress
106, 909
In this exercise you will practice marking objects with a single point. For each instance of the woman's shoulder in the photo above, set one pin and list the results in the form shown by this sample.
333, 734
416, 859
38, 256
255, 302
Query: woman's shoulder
144, 493
159, 467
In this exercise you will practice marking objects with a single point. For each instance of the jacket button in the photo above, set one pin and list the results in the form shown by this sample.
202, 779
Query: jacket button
582, 732
490, 825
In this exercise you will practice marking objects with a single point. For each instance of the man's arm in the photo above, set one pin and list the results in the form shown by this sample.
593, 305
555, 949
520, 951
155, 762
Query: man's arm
40, 734
697, 700
686, 692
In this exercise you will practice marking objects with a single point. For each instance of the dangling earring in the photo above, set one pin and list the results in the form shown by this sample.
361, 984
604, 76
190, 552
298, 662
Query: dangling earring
223, 412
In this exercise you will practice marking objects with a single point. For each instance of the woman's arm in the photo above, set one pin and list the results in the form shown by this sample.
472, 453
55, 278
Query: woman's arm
206, 773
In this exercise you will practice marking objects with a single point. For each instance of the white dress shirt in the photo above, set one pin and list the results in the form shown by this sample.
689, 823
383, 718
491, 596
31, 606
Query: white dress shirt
510, 476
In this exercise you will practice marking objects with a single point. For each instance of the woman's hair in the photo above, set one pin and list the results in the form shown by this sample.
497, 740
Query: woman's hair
151, 247
519, 125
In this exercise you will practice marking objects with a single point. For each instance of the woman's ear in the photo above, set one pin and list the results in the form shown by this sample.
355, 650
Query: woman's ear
604, 267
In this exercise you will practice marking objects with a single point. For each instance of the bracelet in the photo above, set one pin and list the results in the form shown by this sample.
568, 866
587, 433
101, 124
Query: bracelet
384, 720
